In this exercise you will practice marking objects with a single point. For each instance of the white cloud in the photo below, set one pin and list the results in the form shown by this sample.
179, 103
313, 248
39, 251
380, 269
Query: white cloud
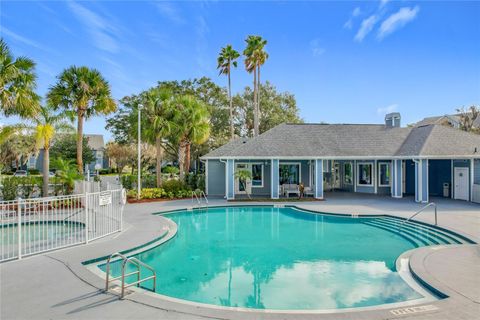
317, 49
387, 109
397, 20
365, 28
383, 3
169, 11
102, 32
355, 13
21, 39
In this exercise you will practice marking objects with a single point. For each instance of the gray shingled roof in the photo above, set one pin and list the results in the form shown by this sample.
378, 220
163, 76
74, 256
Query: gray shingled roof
95, 141
352, 140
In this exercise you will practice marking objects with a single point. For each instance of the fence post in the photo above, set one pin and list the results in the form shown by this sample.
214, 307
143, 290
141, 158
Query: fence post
19, 221
86, 217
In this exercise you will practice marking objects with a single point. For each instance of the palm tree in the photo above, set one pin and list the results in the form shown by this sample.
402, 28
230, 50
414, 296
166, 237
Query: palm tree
67, 172
226, 59
17, 84
157, 113
255, 56
81, 92
47, 124
191, 119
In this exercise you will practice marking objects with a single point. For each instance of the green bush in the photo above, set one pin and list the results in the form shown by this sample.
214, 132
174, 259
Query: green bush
195, 181
34, 171
174, 186
160, 193
10, 188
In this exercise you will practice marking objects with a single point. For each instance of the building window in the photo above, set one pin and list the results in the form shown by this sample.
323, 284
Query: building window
290, 173
384, 175
257, 175
347, 173
364, 174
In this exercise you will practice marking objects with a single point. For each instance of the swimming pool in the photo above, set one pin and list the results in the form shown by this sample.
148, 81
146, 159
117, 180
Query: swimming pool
285, 259
38, 236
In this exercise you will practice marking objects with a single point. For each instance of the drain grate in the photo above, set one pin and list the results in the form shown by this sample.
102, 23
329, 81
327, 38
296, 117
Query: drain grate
410, 310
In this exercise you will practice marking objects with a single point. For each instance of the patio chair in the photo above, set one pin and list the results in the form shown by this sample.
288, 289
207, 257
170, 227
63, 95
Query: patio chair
290, 189
308, 191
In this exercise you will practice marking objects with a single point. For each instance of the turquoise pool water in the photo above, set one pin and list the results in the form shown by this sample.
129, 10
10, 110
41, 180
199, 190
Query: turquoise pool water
278, 258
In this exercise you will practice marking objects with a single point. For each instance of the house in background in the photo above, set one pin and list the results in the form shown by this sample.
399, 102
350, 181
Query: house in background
452, 120
95, 142
422, 161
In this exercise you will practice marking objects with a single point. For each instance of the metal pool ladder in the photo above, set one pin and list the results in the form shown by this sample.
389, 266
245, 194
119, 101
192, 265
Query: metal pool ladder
199, 197
431, 204
138, 264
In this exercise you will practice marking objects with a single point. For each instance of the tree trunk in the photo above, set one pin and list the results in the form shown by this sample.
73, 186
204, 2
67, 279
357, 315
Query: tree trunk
159, 147
80, 142
255, 114
258, 101
181, 160
232, 130
187, 157
46, 170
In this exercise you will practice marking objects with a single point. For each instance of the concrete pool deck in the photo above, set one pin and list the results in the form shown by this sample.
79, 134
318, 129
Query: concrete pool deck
57, 286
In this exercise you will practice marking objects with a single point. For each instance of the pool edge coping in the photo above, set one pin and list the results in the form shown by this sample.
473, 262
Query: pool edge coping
181, 303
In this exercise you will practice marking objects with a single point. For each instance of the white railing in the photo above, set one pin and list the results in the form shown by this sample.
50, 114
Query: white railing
33, 226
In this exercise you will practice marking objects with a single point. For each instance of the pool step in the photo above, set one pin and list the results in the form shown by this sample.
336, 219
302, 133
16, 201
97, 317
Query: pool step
437, 231
420, 233
417, 233
415, 241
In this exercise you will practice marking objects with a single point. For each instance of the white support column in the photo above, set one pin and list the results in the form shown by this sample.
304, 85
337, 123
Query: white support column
318, 178
421, 180
274, 178
206, 177
472, 177
375, 177
397, 175
354, 171
230, 177
452, 182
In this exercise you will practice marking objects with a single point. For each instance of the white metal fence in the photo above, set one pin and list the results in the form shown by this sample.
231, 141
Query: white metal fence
33, 226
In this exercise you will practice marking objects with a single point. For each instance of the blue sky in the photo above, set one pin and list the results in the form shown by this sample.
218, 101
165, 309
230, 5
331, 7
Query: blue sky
344, 61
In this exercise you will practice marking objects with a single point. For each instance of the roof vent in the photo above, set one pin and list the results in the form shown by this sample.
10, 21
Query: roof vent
392, 120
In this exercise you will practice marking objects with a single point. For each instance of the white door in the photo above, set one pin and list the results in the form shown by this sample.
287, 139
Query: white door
461, 184
242, 186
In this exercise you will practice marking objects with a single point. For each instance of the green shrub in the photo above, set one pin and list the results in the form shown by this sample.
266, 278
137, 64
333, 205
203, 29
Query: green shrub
10, 188
174, 186
195, 181
131, 193
160, 193
34, 171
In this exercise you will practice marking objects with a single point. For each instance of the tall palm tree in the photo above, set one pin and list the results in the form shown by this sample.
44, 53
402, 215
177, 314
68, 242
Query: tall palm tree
47, 124
17, 84
255, 56
226, 59
157, 114
191, 119
81, 92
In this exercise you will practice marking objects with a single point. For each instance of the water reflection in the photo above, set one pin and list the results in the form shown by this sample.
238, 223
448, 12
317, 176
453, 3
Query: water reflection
279, 259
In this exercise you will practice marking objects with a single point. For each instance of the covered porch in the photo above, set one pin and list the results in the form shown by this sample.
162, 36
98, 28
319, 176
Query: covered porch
294, 178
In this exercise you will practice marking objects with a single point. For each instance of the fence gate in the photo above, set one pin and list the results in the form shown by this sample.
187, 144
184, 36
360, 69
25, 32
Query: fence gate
38, 225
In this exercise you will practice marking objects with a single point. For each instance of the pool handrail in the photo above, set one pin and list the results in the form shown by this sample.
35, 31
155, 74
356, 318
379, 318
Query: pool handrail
431, 204
138, 264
